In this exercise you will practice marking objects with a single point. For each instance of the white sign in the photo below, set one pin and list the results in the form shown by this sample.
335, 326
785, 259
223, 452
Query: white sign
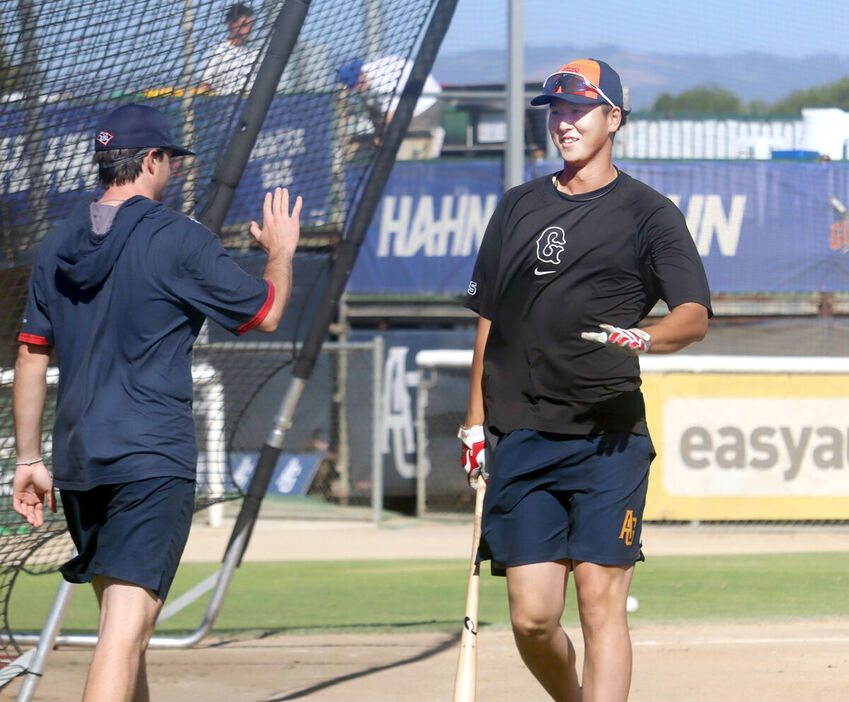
733, 446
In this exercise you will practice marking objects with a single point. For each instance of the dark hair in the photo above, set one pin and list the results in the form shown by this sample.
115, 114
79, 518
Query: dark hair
236, 11
623, 121
119, 166
624, 118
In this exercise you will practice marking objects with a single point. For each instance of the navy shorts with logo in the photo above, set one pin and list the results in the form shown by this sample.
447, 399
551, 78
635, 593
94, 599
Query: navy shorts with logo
554, 496
135, 532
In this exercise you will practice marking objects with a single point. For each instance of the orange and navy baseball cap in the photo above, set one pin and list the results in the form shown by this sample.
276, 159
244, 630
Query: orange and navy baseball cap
585, 81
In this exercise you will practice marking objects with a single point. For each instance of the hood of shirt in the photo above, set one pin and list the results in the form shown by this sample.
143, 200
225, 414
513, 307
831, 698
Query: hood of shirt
86, 258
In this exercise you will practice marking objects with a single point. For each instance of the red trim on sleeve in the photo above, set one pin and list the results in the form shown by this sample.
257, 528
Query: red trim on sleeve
263, 311
25, 338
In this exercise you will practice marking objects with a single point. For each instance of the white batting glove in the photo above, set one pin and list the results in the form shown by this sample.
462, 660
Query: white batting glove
630, 341
474, 453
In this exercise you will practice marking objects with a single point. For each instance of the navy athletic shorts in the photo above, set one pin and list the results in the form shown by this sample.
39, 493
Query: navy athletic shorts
554, 496
133, 532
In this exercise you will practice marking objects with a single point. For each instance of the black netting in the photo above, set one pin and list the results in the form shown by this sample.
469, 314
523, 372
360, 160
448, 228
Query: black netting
63, 65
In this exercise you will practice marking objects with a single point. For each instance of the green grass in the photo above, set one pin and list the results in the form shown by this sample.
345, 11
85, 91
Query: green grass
348, 596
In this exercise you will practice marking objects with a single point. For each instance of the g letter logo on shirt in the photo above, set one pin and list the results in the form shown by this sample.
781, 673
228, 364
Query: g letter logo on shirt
550, 246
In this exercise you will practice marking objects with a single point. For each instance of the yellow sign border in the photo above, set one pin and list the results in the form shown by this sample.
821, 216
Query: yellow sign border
659, 388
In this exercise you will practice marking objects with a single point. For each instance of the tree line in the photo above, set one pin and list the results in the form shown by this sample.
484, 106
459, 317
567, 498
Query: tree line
713, 98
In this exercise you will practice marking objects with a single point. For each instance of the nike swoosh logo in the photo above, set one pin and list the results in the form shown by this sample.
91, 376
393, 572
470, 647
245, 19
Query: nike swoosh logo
537, 271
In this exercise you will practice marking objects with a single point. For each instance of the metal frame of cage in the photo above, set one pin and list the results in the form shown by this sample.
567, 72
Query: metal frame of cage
285, 33
211, 402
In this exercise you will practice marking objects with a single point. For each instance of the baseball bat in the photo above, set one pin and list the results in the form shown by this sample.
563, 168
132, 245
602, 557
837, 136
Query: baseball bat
464, 683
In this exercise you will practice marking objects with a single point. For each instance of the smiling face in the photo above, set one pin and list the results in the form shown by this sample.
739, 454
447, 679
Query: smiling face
582, 133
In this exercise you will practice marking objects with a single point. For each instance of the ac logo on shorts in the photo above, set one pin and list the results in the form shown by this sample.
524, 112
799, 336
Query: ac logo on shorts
629, 528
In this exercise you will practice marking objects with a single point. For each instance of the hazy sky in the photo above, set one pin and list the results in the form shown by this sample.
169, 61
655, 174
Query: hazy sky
793, 28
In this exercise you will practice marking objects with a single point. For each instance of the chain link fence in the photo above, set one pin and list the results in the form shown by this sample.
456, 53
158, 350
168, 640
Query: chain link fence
330, 464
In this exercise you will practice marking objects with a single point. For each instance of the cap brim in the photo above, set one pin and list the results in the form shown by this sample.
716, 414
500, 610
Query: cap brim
175, 150
567, 97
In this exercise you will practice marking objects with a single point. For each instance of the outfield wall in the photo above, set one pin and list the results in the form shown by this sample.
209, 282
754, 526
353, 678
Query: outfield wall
742, 438
738, 438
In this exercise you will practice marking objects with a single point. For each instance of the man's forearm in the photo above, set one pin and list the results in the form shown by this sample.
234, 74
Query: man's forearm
685, 324
477, 413
278, 271
28, 396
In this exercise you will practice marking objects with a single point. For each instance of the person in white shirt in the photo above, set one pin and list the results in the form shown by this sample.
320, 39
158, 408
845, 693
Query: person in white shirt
229, 65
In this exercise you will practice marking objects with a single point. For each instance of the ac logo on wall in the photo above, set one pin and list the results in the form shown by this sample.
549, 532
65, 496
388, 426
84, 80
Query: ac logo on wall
399, 434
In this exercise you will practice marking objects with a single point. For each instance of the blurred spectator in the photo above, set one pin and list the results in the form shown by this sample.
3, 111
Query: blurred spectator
227, 67
377, 85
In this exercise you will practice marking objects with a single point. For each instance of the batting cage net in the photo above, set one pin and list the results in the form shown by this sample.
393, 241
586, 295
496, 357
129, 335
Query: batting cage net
64, 65
741, 118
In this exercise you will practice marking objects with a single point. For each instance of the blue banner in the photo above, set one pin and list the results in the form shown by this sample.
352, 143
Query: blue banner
428, 227
292, 475
761, 227
293, 149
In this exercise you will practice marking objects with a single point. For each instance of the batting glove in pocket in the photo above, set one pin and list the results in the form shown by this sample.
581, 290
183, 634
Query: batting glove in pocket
474, 453
630, 341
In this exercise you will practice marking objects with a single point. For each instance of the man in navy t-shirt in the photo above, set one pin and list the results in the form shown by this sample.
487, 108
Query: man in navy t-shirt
121, 289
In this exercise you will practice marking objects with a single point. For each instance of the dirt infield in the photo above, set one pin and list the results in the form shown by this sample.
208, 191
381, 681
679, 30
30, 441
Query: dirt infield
781, 662
731, 663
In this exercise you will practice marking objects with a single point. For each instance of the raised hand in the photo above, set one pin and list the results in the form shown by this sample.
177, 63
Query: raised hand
280, 230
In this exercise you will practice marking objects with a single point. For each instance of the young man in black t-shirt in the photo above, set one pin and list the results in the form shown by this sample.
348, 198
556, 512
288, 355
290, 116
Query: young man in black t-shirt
569, 266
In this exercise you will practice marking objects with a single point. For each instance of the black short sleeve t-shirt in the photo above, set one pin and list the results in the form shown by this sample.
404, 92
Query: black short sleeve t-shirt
551, 266
123, 310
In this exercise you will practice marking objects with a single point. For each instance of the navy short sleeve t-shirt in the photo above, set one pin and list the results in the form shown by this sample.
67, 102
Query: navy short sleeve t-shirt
551, 266
123, 310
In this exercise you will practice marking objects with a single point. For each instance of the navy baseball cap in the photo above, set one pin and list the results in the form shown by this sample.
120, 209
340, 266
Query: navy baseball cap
135, 127
585, 81
349, 74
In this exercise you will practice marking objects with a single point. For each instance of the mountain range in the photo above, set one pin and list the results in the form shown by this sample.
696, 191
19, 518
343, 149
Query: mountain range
751, 75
